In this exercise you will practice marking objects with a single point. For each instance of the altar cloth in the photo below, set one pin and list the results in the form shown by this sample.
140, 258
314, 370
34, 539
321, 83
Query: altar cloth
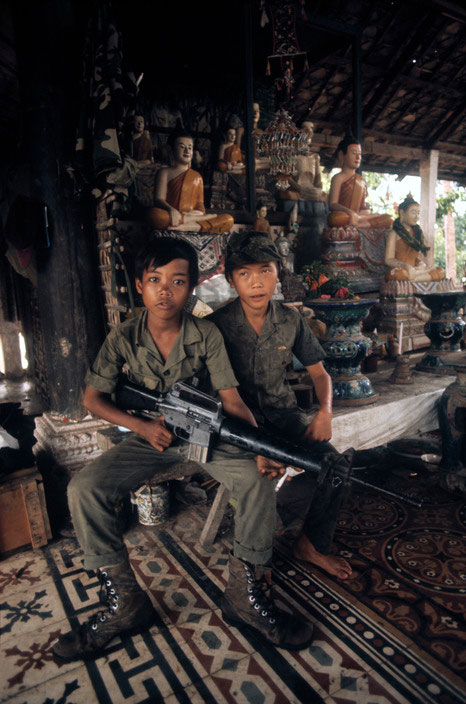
402, 410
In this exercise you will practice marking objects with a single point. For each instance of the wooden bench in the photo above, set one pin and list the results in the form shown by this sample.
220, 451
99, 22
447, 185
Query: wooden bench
109, 437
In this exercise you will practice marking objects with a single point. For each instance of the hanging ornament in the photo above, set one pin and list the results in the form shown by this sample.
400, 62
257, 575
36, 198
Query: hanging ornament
285, 40
280, 143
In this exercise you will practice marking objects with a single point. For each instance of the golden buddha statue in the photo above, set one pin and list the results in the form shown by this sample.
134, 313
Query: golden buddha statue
179, 194
347, 198
229, 155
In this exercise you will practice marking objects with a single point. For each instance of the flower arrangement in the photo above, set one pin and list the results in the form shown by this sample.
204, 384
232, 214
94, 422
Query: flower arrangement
322, 283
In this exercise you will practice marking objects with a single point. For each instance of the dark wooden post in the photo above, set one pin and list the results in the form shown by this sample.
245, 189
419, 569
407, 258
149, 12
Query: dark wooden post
248, 81
48, 53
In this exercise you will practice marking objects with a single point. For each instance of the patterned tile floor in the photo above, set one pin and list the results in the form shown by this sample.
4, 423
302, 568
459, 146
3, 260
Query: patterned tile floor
358, 655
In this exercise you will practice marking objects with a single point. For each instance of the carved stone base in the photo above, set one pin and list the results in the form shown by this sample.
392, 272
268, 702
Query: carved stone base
400, 304
356, 254
70, 444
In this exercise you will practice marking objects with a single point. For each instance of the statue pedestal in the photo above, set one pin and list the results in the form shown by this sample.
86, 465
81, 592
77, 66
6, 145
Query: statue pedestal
70, 444
444, 329
357, 254
345, 347
400, 306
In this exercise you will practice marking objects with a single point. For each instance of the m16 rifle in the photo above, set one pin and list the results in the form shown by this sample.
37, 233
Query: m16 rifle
197, 418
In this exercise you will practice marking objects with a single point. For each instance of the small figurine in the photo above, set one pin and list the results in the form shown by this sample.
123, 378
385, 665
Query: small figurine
406, 246
179, 194
347, 198
283, 244
262, 224
229, 155
306, 188
141, 141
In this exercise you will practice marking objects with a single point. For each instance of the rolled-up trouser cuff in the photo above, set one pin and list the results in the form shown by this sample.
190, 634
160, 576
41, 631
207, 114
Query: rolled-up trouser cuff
93, 562
254, 557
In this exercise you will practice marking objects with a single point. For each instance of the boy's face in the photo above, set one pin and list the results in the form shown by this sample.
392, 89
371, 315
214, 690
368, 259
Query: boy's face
165, 289
255, 284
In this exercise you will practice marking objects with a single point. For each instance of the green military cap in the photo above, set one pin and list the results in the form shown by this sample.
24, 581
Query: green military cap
247, 248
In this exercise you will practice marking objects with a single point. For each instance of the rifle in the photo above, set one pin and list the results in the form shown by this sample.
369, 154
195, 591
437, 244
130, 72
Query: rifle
197, 418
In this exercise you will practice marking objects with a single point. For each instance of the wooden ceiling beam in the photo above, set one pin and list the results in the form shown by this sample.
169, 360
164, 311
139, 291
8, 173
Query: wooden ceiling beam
411, 43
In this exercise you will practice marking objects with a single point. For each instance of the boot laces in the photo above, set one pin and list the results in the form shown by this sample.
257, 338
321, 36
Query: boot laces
108, 596
259, 596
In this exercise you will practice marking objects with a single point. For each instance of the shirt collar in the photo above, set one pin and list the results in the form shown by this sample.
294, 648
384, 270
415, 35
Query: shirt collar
189, 334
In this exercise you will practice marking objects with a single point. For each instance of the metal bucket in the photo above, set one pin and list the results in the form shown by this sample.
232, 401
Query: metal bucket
152, 501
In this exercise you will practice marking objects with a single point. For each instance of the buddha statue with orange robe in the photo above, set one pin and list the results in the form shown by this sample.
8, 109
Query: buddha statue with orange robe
406, 248
347, 198
179, 195
229, 155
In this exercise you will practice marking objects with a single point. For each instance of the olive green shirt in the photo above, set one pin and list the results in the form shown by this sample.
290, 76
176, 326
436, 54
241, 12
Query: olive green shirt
131, 348
260, 361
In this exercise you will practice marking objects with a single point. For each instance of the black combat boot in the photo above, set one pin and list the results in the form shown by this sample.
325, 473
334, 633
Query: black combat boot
129, 610
247, 604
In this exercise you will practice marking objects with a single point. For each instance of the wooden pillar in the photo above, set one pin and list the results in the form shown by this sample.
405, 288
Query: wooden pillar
248, 82
428, 169
450, 239
49, 57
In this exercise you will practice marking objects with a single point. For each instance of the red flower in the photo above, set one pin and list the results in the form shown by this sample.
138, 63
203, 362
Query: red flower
343, 292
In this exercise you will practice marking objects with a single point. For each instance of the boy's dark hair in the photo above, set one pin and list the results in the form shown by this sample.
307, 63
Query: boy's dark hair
249, 248
346, 141
162, 250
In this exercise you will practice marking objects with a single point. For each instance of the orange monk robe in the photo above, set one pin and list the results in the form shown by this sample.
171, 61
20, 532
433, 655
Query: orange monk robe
353, 196
262, 225
232, 155
185, 193
408, 255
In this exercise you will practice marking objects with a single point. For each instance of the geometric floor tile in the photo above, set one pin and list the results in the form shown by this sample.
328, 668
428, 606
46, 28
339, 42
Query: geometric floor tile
359, 655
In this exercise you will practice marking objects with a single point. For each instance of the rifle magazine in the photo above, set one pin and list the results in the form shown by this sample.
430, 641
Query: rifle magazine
198, 453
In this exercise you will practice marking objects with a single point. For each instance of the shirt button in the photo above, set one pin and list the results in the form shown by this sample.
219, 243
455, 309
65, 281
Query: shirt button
166, 372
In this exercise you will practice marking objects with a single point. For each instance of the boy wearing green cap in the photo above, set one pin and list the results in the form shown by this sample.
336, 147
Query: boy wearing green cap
261, 337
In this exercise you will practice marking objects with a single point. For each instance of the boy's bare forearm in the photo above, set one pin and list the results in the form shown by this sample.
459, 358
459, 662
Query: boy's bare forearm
101, 405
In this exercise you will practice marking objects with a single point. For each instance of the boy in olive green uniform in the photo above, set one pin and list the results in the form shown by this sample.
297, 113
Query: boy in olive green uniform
261, 336
160, 347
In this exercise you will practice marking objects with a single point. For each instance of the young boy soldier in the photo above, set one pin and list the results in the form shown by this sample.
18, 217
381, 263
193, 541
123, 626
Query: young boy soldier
158, 348
261, 336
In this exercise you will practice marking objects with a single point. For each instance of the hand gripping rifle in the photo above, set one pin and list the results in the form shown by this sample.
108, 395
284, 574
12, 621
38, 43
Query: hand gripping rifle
197, 418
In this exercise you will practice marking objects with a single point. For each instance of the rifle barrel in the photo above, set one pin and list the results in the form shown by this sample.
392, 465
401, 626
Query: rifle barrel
261, 442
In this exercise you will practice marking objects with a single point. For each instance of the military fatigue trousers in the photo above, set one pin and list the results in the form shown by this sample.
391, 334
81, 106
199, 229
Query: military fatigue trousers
96, 490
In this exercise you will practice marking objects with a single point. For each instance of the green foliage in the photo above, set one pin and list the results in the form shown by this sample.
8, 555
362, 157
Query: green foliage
448, 204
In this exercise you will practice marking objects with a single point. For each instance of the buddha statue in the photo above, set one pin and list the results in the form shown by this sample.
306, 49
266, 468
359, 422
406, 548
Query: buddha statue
262, 224
229, 155
406, 248
306, 188
179, 194
347, 198
141, 142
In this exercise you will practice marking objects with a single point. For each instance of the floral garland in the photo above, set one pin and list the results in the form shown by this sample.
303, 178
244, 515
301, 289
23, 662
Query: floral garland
415, 241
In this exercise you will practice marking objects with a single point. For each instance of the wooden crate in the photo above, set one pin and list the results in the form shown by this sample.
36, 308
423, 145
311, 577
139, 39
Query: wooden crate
23, 513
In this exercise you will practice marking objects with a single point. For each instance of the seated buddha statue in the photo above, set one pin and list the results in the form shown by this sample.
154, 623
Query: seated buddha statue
179, 194
261, 223
140, 141
406, 247
306, 188
229, 155
347, 198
